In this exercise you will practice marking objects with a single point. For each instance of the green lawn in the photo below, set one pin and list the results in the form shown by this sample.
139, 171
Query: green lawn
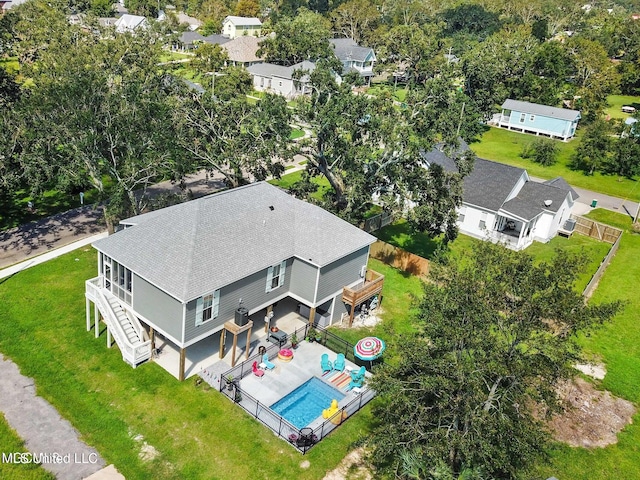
401, 235
614, 110
199, 434
399, 294
618, 345
505, 146
14, 206
296, 133
10, 442
167, 56
399, 94
286, 181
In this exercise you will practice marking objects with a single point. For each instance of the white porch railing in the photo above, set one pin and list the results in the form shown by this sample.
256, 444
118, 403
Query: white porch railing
132, 353
514, 243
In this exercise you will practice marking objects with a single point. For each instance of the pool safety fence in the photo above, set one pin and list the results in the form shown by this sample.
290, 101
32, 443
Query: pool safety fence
305, 438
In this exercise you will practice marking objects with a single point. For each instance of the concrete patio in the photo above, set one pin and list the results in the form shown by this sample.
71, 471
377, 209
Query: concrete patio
205, 354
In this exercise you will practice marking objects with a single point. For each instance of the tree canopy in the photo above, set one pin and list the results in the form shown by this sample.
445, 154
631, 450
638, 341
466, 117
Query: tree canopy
495, 334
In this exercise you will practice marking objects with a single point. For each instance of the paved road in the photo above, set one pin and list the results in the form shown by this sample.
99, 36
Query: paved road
607, 202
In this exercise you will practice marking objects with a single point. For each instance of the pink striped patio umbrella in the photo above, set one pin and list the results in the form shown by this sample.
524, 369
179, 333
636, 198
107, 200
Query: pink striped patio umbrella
369, 348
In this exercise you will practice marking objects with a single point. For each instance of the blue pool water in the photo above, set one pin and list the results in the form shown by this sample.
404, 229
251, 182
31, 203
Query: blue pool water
306, 402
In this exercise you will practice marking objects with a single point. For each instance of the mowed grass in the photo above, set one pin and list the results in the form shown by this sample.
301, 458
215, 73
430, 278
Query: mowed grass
286, 182
401, 235
399, 296
616, 102
617, 345
505, 146
199, 434
10, 442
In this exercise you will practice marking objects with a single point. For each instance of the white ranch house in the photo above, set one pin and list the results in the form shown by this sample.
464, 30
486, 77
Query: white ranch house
502, 204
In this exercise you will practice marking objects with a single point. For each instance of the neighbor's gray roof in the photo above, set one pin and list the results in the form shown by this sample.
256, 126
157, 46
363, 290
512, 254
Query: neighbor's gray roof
198, 246
217, 39
530, 201
562, 184
438, 156
272, 70
490, 183
189, 37
543, 110
243, 49
348, 49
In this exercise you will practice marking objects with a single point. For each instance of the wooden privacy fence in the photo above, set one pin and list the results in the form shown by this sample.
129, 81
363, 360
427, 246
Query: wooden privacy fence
602, 232
399, 258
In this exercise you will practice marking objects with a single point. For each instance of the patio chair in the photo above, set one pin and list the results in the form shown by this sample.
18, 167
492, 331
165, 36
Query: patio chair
355, 383
339, 363
325, 364
256, 371
358, 375
267, 363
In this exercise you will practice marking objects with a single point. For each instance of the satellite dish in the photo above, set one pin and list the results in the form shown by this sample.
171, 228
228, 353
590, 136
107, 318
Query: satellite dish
547, 203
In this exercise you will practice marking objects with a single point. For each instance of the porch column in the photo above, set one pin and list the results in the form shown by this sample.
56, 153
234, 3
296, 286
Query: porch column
248, 343
88, 313
312, 315
96, 319
521, 232
351, 313
181, 367
108, 338
233, 350
152, 337
223, 334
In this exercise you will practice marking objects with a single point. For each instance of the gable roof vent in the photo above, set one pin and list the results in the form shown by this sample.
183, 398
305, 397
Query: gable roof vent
547, 203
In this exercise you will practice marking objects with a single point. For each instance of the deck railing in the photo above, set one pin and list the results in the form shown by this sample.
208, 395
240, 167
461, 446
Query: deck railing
371, 286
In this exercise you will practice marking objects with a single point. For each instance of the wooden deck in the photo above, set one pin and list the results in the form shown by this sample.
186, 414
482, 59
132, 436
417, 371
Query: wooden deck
355, 296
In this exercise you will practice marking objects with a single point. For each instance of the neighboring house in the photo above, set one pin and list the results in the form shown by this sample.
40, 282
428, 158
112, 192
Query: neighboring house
234, 27
184, 271
8, 4
192, 22
242, 51
501, 203
107, 21
130, 23
190, 40
354, 58
554, 122
268, 77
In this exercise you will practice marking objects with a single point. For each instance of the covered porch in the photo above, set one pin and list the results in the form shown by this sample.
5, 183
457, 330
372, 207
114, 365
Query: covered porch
206, 354
515, 232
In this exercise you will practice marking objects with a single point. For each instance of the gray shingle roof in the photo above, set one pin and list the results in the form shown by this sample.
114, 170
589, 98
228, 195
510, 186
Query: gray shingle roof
530, 201
198, 246
543, 110
272, 70
189, 37
562, 184
490, 183
348, 49
243, 49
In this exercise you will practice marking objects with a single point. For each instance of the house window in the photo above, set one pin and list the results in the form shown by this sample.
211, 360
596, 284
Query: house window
532, 118
275, 276
461, 213
522, 117
207, 307
483, 221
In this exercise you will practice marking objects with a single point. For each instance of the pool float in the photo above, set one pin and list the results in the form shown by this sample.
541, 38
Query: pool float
286, 355
329, 412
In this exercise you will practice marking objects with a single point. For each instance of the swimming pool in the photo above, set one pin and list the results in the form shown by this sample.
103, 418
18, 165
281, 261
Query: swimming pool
306, 402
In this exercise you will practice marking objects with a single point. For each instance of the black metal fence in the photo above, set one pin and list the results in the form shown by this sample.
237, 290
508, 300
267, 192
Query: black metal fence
305, 438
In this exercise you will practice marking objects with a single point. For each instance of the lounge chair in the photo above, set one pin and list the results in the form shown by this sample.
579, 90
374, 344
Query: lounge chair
325, 364
267, 363
256, 371
355, 383
339, 363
